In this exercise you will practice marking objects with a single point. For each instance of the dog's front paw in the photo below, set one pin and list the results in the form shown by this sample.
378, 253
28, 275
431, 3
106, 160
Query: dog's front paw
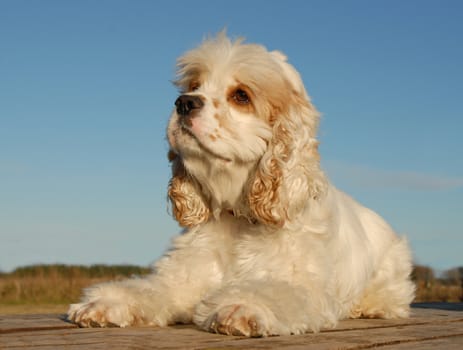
103, 313
238, 319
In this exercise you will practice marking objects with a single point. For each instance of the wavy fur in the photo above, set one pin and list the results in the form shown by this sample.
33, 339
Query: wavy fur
270, 246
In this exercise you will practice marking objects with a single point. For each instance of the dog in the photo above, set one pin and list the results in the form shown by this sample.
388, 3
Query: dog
270, 246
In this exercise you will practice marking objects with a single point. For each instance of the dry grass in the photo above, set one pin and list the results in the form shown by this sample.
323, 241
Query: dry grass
43, 290
429, 288
438, 292
7, 309
51, 288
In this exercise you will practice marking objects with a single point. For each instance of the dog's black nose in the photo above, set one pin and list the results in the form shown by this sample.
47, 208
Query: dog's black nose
187, 103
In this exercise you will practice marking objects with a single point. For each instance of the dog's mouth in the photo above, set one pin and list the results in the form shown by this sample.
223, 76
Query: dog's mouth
186, 130
184, 127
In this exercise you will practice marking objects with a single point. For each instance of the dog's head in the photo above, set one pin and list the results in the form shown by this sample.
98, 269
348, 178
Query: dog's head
242, 136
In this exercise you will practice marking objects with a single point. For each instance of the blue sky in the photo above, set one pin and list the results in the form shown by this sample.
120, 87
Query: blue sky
85, 96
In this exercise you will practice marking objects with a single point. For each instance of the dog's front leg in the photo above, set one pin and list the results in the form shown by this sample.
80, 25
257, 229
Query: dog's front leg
265, 308
166, 296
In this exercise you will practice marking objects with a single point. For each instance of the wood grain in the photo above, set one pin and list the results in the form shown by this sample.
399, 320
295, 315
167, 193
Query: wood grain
433, 327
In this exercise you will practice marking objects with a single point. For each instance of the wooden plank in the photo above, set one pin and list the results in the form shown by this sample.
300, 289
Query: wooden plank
19, 323
451, 343
12, 323
188, 338
418, 316
436, 328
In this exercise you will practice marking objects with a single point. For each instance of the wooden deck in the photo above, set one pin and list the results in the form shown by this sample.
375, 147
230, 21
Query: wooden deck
432, 326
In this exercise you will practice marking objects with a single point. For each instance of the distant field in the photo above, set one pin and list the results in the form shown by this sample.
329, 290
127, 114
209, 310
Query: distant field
7, 309
51, 288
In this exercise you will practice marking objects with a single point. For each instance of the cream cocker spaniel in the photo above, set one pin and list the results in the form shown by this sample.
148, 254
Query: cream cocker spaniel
270, 246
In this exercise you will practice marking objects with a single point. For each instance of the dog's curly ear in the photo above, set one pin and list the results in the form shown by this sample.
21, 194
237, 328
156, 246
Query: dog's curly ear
289, 173
188, 204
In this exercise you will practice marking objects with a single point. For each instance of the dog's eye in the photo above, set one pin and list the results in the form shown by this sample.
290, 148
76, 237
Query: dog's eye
194, 85
241, 97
